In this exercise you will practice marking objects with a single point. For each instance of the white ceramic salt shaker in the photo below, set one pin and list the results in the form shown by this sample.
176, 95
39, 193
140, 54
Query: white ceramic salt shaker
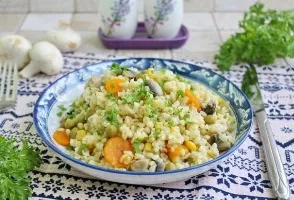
118, 18
163, 18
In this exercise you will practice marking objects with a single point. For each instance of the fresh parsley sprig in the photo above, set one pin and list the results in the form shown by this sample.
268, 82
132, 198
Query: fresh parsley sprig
15, 164
116, 69
265, 35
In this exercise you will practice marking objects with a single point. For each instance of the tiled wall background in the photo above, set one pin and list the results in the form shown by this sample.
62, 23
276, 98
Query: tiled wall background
85, 6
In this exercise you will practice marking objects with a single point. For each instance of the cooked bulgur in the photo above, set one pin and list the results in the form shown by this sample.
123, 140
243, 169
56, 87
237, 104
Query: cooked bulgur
146, 121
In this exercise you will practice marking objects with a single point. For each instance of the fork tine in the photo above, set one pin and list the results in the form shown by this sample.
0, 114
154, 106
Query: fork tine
8, 83
15, 81
3, 78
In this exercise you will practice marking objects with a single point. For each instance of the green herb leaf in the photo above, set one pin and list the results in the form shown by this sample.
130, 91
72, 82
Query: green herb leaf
156, 133
136, 145
15, 163
62, 108
117, 69
137, 142
180, 93
265, 35
59, 114
111, 117
250, 81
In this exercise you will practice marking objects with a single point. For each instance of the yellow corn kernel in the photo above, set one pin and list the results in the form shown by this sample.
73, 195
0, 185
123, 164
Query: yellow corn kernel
81, 134
158, 125
220, 101
125, 159
190, 145
148, 147
170, 166
210, 154
174, 158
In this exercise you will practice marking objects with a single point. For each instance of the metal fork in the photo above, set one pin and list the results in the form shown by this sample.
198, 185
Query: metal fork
8, 84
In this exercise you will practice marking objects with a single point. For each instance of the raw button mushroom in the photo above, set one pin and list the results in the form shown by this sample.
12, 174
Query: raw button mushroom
64, 38
15, 48
46, 58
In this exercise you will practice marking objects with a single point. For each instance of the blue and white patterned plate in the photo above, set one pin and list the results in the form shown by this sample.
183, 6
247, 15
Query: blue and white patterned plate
67, 88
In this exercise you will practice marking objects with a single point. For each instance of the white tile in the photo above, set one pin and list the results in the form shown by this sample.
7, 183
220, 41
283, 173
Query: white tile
195, 56
85, 22
91, 43
228, 21
278, 4
87, 5
290, 61
33, 36
145, 53
140, 17
11, 22
44, 22
52, 5
226, 34
140, 6
2, 34
9, 6
202, 41
233, 5
199, 21
198, 5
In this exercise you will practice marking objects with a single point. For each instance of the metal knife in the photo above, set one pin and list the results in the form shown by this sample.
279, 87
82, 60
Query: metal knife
273, 160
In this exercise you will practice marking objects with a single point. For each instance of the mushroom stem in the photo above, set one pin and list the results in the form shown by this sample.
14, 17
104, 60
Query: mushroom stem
29, 71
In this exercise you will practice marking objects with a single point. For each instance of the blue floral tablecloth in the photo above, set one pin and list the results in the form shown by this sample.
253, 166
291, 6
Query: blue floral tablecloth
242, 176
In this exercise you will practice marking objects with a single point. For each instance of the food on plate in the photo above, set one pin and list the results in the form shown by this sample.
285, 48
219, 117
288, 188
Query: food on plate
151, 121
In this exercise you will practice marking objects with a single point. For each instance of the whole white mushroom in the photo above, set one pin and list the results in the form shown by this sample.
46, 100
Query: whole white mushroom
46, 58
15, 48
64, 38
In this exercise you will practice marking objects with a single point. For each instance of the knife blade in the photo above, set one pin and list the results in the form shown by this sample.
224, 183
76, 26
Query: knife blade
273, 160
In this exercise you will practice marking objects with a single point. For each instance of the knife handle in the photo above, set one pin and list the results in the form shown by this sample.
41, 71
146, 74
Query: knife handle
273, 160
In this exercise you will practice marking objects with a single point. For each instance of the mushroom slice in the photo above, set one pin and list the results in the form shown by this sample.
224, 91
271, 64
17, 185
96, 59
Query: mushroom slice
155, 87
140, 165
131, 73
209, 108
221, 145
160, 165
97, 81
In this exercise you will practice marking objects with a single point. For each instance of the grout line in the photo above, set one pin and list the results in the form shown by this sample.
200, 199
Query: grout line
217, 28
19, 26
29, 4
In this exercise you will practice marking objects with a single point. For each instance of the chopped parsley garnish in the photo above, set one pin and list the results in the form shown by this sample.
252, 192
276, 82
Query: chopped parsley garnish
170, 123
153, 113
137, 94
111, 97
69, 148
156, 133
180, 93
71, 114
117, 69
137, 142
111, 117
178, 111
169, 103
186, 117
129, 99
62, 109
82, 148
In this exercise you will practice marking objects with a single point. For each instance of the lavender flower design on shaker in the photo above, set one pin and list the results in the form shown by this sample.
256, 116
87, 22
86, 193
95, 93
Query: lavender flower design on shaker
162, 10
120, 9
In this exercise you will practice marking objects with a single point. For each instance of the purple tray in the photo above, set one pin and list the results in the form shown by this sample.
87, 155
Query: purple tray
142, 41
